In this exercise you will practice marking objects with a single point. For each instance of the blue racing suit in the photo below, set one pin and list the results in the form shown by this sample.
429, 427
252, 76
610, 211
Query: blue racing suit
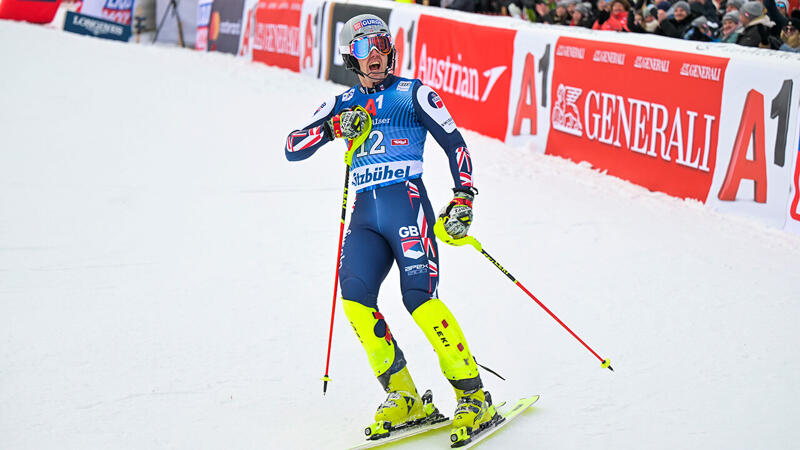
392, 219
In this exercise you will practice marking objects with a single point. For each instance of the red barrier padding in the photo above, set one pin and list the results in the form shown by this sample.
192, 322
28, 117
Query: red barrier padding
34, 11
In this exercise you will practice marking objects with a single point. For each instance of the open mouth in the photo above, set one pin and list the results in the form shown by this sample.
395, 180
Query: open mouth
374, 66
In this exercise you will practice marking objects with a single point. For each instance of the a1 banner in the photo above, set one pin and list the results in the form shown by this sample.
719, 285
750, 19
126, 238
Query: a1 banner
647, 115
276, 34
403, 27
529, 104
756, 169
313, 51
225, 27
469, 66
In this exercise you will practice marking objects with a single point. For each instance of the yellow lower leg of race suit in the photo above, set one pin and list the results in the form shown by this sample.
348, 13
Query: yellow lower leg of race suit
387, 360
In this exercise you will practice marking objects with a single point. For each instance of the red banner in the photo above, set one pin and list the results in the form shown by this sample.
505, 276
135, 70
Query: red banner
469, 66
646, 115
276, 37
34, 11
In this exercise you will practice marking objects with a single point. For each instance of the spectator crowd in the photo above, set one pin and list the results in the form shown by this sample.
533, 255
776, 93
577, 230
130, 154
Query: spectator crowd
750, 23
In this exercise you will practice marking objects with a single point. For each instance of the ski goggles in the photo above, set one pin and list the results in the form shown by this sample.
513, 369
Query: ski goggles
361, 47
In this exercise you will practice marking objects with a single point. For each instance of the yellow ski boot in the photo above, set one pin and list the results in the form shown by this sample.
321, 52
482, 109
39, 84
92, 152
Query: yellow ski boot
403, 407
474, 413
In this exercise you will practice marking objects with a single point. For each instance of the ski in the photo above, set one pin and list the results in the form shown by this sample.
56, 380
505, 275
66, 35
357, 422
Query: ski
405, 433
506, 415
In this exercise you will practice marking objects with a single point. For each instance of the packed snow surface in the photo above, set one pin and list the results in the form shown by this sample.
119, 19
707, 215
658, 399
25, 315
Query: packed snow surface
166, 276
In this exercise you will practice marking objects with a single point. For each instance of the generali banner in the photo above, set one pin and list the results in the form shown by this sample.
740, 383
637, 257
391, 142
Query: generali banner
646, 115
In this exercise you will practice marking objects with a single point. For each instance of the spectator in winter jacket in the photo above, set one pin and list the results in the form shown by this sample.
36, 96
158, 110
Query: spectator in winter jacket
543, 15
677, 25
790, 35
731, 28
582, 17
645, 22
559, 15
781, 5
757, 27
704, 8
617, 20
734, 5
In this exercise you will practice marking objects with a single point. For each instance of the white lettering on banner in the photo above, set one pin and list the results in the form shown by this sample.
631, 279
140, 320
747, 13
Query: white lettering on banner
454, 78
96, 27
377, 173
570, 52
701, 72
654, 64
233, 28
277, 38
119, 4
605, 56
613, 119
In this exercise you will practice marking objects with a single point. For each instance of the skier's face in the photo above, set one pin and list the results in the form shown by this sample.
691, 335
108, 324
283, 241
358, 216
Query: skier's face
375, 65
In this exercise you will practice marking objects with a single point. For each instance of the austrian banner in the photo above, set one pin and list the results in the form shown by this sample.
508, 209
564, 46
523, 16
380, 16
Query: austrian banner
469, 66
647, 115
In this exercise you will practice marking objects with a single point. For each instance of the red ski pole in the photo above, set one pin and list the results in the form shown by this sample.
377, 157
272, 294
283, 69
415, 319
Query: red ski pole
469, 240
348, 158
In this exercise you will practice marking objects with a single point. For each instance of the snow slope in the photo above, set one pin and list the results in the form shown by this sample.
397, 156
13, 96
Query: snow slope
165, 276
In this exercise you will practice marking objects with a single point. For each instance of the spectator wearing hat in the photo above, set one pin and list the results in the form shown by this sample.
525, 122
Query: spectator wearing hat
677, 25
617, 19
560, 15
731, 27
734, 5
782, 8
757, 27
542, 12
790, 35
582, 16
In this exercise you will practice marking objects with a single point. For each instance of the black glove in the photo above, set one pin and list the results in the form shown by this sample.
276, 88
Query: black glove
458, 213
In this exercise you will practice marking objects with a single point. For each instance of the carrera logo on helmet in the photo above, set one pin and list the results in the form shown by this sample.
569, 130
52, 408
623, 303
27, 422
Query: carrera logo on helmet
367, 23
399, 141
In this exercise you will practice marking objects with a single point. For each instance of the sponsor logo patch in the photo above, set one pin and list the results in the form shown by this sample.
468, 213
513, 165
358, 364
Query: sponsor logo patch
435, 101
404, 86
366, 23
348, 95
399, 141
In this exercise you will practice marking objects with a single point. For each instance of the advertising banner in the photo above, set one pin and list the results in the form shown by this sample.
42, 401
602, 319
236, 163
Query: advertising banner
403, 26
647, 115
119, 11
469, 66
34, 11
313, 34
93, 26
757, 150
225, 26
341, 14
203, 21
276, 36
529, 98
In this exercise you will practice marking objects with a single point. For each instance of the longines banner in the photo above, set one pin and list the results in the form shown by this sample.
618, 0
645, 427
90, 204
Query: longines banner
225, 26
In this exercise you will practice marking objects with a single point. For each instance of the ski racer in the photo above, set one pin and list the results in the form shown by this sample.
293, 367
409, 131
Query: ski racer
392, 221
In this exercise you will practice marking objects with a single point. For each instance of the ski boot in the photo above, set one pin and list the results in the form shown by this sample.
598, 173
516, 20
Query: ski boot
474, 413
403, 408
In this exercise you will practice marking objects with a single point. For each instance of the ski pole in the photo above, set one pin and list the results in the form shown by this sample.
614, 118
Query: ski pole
440, 232
348, 158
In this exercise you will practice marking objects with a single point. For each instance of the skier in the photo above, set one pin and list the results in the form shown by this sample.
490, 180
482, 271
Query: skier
392, 221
